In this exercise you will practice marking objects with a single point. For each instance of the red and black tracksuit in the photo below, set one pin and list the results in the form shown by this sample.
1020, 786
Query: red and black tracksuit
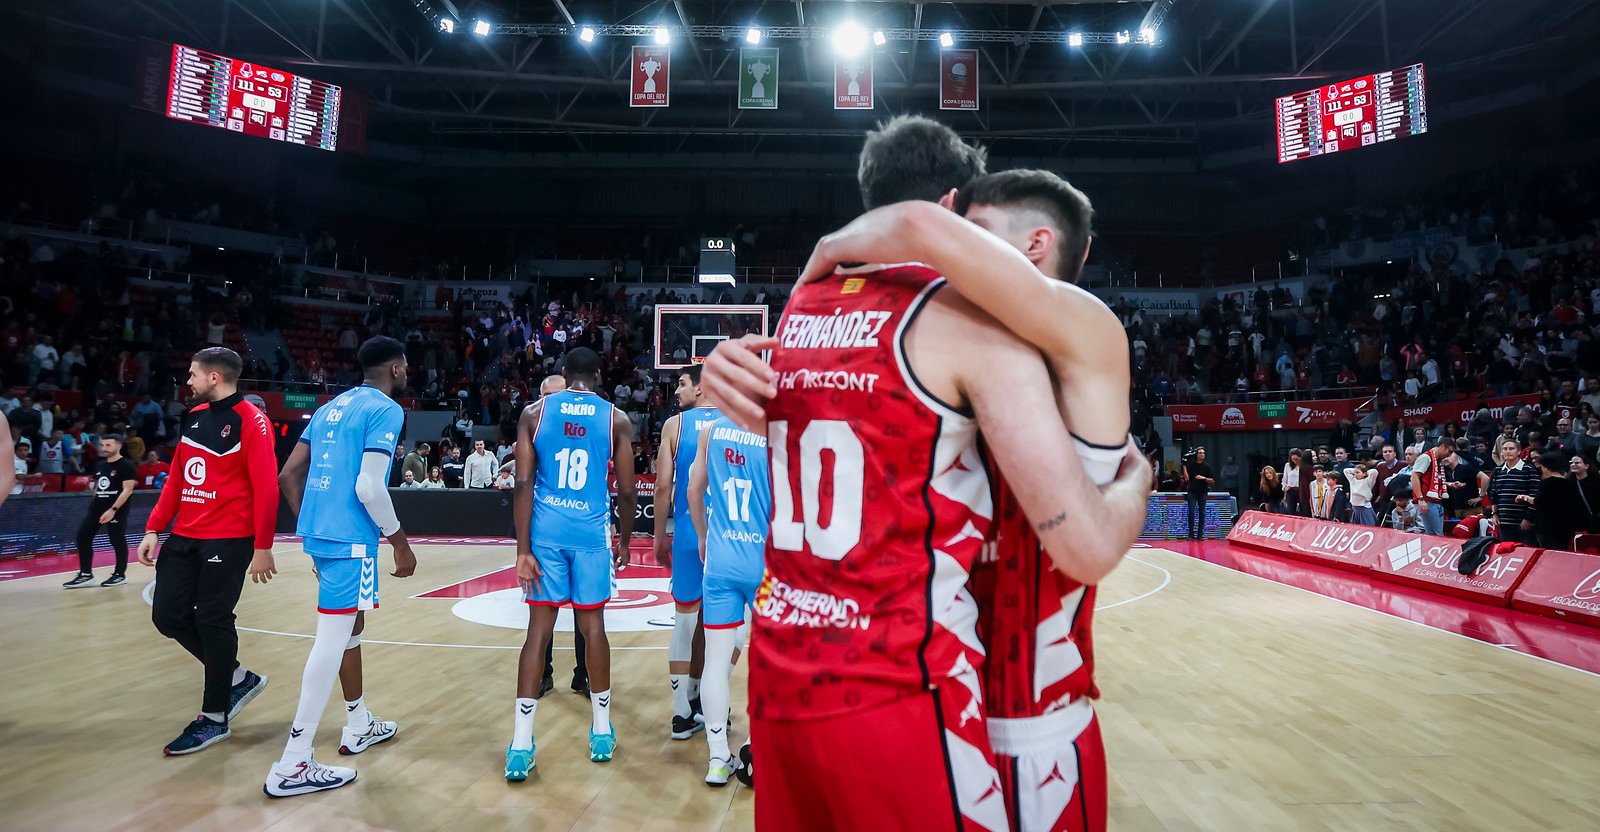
221, 498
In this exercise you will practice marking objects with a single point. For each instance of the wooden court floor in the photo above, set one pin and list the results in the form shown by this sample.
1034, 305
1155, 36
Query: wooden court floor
1230, 703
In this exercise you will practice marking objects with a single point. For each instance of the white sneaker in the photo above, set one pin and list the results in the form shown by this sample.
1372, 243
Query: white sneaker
304, 778
719, 771
356, 740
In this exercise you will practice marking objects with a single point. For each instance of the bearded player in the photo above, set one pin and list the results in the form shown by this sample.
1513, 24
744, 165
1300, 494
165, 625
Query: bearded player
1037, 608
867, 706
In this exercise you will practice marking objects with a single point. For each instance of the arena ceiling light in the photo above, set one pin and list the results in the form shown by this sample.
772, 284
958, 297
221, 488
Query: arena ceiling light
586, 34
879, 38
946, 40
663, 35
849, 38
1123, 37
480, 28
447, 25
1147, 37
1075, 39
752, 35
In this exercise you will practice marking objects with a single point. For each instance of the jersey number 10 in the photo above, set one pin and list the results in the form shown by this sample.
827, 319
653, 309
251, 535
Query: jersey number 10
574, 468
843, 531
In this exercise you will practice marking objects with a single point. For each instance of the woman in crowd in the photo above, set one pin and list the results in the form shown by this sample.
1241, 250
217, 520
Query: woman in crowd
1582, 468
1557, 508
1589, 440
435, 478
1291, 483
1269, 491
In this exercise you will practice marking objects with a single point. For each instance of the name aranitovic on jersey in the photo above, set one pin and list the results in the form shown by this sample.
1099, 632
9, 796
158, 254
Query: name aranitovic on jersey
841, 330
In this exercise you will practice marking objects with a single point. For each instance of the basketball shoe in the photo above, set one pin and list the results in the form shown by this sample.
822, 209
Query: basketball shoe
287, 780
719, 772
82, 580
199, 735
746, 772
357, 740
518, 764
242, 693
602, 746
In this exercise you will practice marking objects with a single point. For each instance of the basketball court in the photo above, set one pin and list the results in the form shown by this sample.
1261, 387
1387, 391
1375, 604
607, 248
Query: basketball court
1241, 691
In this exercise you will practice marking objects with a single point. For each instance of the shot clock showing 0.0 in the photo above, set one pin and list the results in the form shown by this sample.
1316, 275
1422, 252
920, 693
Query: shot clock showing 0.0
716, 260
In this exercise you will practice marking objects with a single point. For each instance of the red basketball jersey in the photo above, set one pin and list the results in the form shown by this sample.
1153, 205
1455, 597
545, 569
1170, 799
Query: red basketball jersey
880, 504
1037, 622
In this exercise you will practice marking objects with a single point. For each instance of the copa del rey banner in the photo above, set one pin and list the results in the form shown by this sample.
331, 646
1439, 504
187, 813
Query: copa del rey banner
852, 81
651, 74
1420, 560
958, 79
1307, 415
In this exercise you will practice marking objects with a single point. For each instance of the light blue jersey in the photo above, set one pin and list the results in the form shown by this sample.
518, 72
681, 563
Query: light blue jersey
738, 514
690, 424
571, 500
358, 421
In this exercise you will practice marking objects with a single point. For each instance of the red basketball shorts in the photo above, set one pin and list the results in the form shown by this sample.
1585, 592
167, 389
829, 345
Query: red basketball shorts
920, 764
1052, 770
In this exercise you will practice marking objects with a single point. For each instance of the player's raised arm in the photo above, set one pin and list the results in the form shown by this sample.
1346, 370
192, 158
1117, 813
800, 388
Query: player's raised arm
697, 491
1086, 530
666, 463
627, 482
522, 494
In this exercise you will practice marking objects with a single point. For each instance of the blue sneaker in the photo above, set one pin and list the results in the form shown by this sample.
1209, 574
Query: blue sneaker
199, 735
602, 746
518, 764
242, 693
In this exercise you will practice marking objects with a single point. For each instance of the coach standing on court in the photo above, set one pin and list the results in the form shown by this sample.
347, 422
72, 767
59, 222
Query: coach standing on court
222, 502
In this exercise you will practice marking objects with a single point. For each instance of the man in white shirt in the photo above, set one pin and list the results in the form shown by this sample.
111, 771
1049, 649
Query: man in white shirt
45, 358
480, 467
409, 480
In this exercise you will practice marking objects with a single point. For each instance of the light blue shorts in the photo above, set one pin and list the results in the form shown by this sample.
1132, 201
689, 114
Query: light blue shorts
726, 599
347, 575
580, 577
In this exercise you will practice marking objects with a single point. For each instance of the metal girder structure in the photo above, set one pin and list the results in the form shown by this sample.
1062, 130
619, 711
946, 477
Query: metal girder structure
962, 36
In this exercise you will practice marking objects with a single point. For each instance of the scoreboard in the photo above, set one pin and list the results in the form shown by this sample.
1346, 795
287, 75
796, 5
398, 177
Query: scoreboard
1354, 113
218, 91
716, 260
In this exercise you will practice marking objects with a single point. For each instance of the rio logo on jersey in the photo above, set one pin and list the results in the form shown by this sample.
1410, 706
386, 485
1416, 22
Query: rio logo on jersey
573, 428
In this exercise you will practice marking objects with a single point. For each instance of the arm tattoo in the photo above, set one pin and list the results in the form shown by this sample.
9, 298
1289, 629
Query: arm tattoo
1053, 522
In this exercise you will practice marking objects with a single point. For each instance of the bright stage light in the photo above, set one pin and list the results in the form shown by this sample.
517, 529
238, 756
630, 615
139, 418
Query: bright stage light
480, 28
1075, 39
849, 39
878, 38
1147, 36
946, 40
447, 25
752, 35
586, 34
663, 36
1123, 37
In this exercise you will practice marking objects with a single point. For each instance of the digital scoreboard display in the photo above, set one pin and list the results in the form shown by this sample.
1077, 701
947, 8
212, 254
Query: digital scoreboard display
1354, 113
716, 260
206, 88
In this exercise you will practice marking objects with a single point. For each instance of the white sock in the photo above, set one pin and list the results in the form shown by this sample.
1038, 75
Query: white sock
522, 730
600, 703
694, 686
356, 714
214, 717
719, 666
316, 683
680, 694
298, 749
238, 675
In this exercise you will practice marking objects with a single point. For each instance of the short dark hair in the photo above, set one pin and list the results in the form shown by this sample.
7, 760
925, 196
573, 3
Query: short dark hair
913, 157
1555, 460
693, 372
114, 437
581, 362
1068, 210
221, 360
378, 351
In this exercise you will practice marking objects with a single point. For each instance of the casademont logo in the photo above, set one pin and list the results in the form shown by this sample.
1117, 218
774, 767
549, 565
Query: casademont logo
1589, 588
1405, 554
1233, 417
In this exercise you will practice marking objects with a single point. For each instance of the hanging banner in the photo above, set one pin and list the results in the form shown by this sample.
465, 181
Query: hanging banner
758, 78
852, 82
652, 77
958, 79
1307, 415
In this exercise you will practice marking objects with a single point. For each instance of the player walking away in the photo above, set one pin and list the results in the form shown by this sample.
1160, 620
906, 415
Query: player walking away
677, 547
580, 673
222, 505
730, 502
115, 477
1036, 607
336, 481
565, 442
